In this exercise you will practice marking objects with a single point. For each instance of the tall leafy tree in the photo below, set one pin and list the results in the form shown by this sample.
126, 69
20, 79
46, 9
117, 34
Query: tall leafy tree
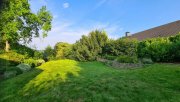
18, 23
89, 47
62, 50
49, 53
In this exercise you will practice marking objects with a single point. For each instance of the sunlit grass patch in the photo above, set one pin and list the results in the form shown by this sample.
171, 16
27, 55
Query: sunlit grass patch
53, 73
93, 82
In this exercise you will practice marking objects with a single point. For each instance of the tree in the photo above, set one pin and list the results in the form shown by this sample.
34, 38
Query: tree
18, 23
89, 47
48, 53
62, 50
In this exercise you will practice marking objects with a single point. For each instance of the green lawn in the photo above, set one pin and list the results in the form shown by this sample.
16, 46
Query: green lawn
71, 81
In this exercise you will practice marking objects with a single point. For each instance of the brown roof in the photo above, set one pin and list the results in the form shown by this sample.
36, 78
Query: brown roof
160, 31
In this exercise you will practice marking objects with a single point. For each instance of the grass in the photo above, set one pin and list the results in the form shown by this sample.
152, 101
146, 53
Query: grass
71, 81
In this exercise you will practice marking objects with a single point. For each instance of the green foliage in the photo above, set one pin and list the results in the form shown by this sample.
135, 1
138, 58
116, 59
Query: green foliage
93, 81
11, 58
33, 63
17, 22
44, 19
38, 55
127, 59
122, 46
157, 49
175, 39
7, 60
49, 53
89, 47
1, 4
160, 49
22, 49
109, 57
175, 48
62, 50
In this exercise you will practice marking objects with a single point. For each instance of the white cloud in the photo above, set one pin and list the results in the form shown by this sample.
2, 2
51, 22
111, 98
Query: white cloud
66, 5
66, 31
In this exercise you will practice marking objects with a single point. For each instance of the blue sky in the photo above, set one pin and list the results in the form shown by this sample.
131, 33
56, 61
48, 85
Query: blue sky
74, 18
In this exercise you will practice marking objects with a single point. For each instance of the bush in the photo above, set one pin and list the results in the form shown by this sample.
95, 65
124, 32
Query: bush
39, 62
38, 55
165, 49
11, 58
33, 63
49, 53
30, 62
122, 46
22, 49
109, 57
157, 49
127, 59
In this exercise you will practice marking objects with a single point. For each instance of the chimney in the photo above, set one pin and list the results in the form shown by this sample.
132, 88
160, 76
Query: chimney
127, 34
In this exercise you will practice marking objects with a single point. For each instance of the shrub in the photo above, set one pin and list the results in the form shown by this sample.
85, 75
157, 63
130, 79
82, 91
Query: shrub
49, 53
39, 62
109, 57
157, 49
22, 49
33, 63
62, 50
122, 46
38, 55
30, 62
11, 58
175, 48
127, 59
165, 49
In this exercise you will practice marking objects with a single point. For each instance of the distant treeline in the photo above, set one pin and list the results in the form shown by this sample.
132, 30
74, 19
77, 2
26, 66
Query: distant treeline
97, 44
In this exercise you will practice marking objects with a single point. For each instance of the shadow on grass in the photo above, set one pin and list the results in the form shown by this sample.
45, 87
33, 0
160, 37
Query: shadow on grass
71, 81
10, 87
7, 65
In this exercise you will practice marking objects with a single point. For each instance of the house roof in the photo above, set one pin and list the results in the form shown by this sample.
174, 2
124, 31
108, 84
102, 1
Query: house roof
161, 31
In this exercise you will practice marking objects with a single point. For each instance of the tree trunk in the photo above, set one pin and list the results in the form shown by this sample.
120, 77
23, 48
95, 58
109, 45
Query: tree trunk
7, 46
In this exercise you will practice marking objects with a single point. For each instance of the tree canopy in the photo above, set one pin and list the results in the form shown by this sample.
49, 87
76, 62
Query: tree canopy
89, 47
19, 23
62, 50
